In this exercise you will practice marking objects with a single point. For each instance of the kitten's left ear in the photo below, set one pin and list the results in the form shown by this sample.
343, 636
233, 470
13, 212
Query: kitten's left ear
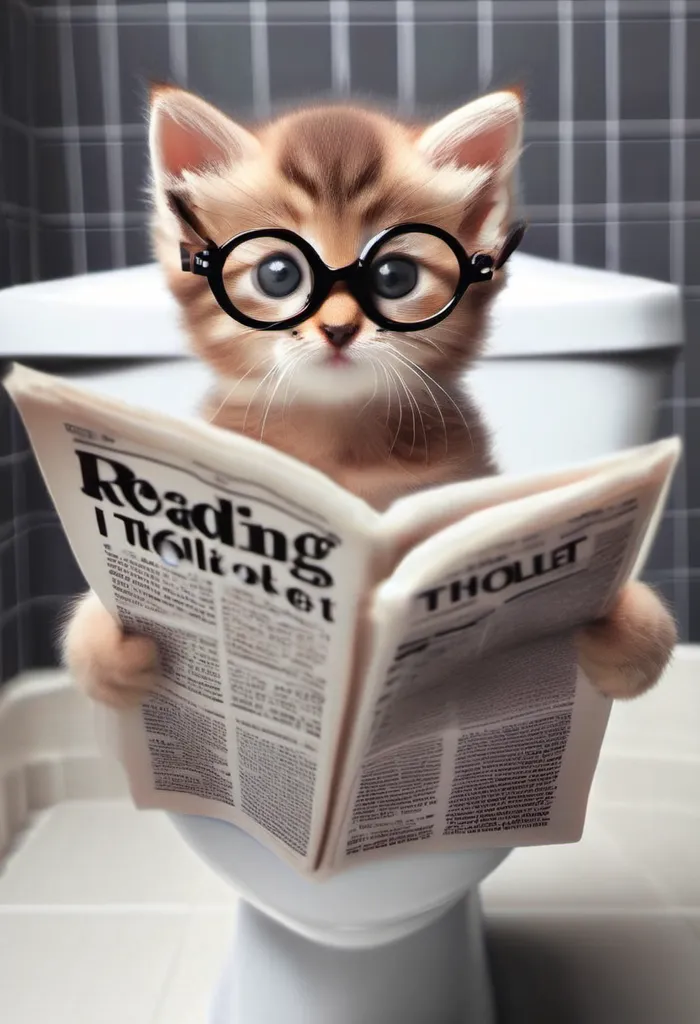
485, 134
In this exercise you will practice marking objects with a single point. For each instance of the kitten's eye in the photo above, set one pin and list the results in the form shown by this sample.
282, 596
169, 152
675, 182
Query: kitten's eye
278, 275
394, 277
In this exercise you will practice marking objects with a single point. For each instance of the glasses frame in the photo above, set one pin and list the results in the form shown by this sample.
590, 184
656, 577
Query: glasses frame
210, 262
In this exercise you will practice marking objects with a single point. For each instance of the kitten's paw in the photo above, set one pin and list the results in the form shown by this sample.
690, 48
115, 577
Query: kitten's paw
626, 652
109, 666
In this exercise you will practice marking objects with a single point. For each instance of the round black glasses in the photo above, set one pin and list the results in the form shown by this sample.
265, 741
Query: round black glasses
406, 278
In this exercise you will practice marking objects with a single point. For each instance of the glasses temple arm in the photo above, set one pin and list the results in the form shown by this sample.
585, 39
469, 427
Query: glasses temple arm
188, 218
514, 237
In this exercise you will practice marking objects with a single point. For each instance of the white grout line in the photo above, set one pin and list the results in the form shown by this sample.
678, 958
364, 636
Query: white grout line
261, 57
588, 213
612, 148
566, 130
10, 614
592, 131
108, 44
30, 530
442, 11
25, 522
177, 40
74, 170
340, 46
405, 56
679, 402
225, 910
485, 43
677, 86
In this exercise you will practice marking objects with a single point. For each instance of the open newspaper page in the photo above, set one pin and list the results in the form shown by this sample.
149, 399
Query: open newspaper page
248, 570
477, 727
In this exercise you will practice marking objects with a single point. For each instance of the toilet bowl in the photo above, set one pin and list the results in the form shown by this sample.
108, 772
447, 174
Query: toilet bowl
577, 363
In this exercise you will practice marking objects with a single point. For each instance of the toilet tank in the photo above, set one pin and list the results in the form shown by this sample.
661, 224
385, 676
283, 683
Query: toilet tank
576, 362
575, 365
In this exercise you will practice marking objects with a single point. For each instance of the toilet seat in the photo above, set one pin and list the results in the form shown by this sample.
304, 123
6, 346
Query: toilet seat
365, 906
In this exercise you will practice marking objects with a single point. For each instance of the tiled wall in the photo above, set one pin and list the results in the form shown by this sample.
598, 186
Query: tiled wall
610, 175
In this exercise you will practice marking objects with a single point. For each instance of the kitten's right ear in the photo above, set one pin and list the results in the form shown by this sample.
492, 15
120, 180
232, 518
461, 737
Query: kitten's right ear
188, 137
188, 134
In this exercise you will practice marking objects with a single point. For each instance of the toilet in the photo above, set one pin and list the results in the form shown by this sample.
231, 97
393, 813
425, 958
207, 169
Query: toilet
576, 365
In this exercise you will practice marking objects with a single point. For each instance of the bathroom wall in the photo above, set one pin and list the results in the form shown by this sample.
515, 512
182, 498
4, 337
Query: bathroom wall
610, 175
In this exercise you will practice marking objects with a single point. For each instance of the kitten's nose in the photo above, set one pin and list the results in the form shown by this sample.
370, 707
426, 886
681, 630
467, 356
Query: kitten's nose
339, 335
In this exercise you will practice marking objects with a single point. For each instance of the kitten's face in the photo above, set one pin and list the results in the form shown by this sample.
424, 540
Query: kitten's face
335, 176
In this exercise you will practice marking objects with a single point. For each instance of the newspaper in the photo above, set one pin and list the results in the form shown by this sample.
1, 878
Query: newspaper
340, 683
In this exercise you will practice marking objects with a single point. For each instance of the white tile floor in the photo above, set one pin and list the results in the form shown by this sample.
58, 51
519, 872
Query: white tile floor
106, 917
103, 906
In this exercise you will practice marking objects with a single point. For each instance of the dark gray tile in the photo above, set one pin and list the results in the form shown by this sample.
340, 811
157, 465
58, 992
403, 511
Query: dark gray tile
373, 61
5, 269
52, 180
542, 240
446, 64
14, 187
694, 612
19, 251
6, 81
589, 245
39, 627
693, 528
138, 246
144, 57
645, 170
678, 495
134, 154
300, 62
9, 650
88, 68
55, 252
692, 91
34, 497
99, 249
589, 70
6, 413
590, 165
51, 565
20, 440
6, 494
692, 445
667, 589
47, 83
644, 249
527, 54
539, 170
8, 577
661, 557
644, 69
219, 65
692, 348
692, 252
14, 62
93, 162
692, 169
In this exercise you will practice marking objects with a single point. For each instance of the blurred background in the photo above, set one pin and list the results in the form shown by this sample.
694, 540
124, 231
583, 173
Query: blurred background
610, 175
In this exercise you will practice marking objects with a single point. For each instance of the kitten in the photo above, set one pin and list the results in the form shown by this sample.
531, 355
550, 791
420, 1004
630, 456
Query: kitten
393, 415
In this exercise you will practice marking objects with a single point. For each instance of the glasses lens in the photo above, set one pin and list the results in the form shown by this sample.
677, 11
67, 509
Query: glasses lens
413, 277
268, 279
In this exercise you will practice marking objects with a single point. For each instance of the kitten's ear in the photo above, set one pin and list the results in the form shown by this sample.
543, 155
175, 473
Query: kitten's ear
485, 134
188, 136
